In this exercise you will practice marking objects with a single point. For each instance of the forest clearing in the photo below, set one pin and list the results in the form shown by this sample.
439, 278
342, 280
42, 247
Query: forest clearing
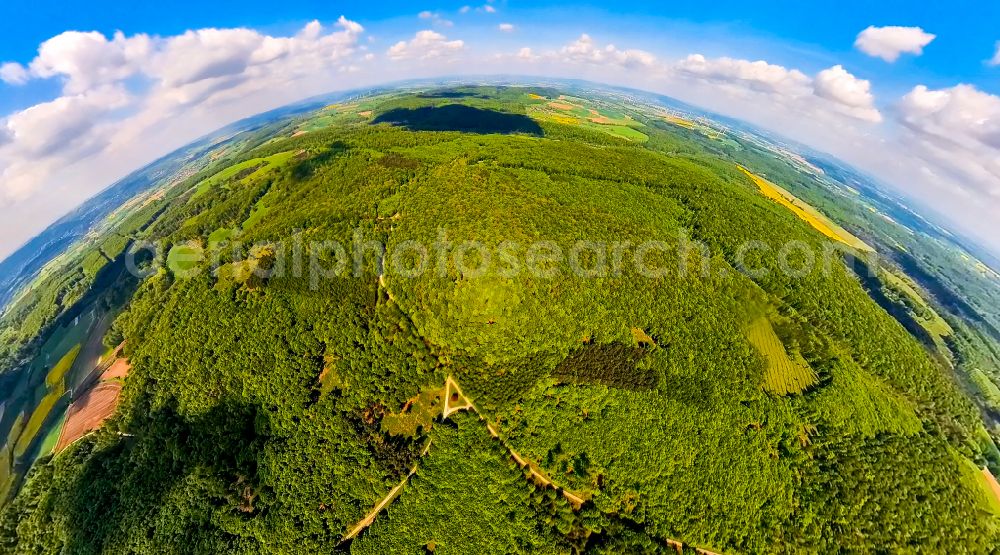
782, 374
417, 414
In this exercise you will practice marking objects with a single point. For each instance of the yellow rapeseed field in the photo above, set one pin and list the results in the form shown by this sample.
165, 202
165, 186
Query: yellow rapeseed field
805, 212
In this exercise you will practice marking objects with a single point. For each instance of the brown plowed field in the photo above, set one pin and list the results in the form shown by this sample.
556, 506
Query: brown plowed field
89, 412
118, 369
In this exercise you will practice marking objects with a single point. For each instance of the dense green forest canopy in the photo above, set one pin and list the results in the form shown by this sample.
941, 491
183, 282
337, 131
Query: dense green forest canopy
580, 266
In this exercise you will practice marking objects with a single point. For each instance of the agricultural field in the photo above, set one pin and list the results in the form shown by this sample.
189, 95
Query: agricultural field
680, 121
39, 399
244, 171
48, 443
580, 112
992, 487
784, 374
37, 419
88, 412
63, 340
43, 384
91, 353
118, 370
7, 473
706, 130
806, 213
926, 315
57, 375
334, 114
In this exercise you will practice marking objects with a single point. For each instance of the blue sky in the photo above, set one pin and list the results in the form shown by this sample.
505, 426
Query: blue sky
783, 31
93, 107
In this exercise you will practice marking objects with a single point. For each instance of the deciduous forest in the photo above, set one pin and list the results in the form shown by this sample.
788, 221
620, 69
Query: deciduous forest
720, 402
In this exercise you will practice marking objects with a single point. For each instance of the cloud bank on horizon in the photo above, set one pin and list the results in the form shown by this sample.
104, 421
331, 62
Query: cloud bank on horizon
125, 100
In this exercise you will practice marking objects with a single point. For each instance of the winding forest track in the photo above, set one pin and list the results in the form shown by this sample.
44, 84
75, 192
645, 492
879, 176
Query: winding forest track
453, 390
370, 517
538, 476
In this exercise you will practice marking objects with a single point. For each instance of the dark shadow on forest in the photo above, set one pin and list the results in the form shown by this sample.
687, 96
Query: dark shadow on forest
611, 365
942, 292
876, 290
305, 168
123, 485
456, 117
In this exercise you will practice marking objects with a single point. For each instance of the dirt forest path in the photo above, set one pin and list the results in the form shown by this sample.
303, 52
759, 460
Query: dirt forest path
453, 405
370, 517
456, 401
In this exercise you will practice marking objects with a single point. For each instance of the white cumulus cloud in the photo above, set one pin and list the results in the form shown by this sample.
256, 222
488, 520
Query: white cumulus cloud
127, 99
51, 134
526, 54
585, 49
889, 43
833, 91
213, 53
425, 45
485, 8
86, 60
64, 122
995, 61
13, 73
837, 85
506, 27
958, 129
756, 75
435, 18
